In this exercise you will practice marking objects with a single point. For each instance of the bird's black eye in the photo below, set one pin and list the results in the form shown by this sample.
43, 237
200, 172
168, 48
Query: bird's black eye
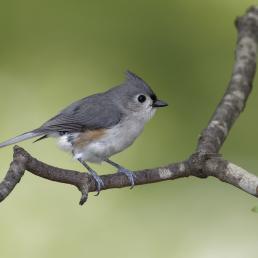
141, 98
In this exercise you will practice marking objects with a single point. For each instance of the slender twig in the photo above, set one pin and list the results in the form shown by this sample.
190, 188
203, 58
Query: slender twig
203, 163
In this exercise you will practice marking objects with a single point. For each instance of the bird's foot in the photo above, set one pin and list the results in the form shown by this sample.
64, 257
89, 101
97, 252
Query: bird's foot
130, 175
98, 180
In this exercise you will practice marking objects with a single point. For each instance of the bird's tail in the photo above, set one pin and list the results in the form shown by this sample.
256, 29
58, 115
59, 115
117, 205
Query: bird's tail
22, 137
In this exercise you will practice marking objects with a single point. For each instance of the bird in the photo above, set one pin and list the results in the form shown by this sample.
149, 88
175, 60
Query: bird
96, 127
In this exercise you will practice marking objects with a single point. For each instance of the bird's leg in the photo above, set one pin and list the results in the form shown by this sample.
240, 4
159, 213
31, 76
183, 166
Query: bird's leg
98, 180
131, 176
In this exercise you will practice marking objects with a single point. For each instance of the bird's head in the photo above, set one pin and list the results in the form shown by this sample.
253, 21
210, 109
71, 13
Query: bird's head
137, 97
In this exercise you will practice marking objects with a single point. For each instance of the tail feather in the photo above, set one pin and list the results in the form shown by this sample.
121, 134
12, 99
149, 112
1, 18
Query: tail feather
21, 137
41, 138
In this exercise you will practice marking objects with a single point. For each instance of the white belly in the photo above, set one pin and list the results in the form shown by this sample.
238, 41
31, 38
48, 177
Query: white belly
113, 141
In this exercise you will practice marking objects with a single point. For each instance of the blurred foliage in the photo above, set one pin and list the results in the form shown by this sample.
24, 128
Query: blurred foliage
55, 52
255, 209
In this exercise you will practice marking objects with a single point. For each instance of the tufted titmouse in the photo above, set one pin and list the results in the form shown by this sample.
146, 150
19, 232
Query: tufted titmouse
101, 125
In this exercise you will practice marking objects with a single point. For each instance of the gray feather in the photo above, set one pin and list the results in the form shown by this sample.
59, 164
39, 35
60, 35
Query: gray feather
94, 112
21, 137
138, 83
99, 111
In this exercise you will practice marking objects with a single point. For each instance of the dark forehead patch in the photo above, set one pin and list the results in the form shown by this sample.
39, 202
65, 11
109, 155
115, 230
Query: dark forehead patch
153, 97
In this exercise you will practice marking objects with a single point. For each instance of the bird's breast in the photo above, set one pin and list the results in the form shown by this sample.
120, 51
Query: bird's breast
97, 145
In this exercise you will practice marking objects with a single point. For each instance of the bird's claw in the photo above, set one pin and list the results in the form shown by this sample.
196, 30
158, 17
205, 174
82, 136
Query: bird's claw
130, 175
99, 183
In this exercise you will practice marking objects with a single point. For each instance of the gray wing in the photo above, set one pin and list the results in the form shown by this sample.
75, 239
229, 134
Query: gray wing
94, 112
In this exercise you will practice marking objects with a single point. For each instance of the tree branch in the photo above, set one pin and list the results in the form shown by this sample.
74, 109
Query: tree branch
239, 88
203, 163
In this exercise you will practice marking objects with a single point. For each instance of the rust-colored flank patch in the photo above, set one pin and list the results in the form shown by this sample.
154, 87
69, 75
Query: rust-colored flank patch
88, 136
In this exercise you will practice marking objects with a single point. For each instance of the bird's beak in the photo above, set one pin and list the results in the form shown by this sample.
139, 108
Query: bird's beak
159, 103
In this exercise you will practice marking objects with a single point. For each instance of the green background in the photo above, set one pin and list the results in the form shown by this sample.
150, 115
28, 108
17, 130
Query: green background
55, 52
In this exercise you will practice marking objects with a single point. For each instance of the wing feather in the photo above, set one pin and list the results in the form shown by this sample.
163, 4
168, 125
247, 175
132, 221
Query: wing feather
94, 112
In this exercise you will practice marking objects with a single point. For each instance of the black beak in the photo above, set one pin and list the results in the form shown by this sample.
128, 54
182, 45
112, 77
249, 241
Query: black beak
159, 103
